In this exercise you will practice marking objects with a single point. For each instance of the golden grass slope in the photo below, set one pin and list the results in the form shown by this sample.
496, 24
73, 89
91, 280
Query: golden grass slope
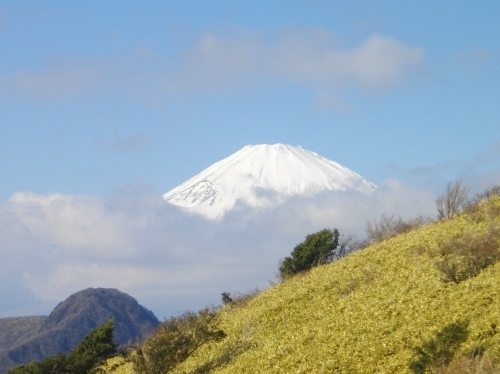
365, 313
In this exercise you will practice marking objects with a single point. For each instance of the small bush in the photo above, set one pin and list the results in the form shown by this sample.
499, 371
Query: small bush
463, 257
175, 340
474, 206
226, 298
487, 194
389, 226
240, 299
347, 244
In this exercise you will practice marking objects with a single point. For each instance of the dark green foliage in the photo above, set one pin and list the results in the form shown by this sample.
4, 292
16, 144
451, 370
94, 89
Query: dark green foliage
317, 249
51, 365
439, 352
94, 348
175, 340
226, 298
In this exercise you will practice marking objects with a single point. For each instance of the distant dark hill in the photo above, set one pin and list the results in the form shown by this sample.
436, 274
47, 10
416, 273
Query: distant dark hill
27, 339
16, 330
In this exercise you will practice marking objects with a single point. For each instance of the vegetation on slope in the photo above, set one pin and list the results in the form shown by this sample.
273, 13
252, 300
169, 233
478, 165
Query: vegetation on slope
424, 301
94, 348
318, 249
15, 330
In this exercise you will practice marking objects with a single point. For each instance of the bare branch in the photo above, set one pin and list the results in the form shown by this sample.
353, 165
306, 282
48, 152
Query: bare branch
452, 202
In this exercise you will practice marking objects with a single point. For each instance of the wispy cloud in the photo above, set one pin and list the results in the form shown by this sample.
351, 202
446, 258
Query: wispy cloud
478, 173
377, 64
306, 57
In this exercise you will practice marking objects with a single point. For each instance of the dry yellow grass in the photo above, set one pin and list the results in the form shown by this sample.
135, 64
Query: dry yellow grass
365, 313
117, 365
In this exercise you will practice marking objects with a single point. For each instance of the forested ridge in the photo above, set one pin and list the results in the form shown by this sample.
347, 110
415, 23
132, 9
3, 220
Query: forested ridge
27, 339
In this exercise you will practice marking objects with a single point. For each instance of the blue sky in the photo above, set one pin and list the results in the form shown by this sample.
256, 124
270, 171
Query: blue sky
100, 100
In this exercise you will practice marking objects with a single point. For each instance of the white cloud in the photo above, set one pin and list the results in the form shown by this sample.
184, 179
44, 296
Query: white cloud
379, 63
306, 57
75, 223
55, 245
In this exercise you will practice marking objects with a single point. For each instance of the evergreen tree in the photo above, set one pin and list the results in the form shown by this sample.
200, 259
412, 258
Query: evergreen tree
317, 249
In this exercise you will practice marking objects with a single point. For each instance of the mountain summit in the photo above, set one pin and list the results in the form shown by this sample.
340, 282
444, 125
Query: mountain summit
262, 176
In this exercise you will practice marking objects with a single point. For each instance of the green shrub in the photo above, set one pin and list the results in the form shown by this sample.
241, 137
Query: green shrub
318, 248
226, 298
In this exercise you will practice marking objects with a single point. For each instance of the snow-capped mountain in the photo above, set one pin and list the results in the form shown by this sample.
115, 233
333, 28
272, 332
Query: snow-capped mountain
262, 176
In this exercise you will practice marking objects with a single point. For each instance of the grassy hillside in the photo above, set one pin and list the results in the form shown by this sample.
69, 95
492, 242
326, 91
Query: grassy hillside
385, 309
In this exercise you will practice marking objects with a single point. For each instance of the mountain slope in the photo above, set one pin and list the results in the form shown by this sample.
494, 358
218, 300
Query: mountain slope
262, 176
15, 330
73, 319
379, 310
368, 312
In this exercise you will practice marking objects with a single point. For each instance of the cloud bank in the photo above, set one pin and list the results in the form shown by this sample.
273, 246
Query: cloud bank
54, 245
305, 57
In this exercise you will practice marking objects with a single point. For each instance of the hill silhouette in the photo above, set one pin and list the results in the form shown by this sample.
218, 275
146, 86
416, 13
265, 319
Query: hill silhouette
27, 339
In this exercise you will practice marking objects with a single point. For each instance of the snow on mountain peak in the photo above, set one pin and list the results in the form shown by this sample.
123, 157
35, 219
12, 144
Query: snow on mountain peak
263, 176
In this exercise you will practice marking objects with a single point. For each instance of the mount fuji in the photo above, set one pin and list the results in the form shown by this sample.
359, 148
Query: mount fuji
263, 176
